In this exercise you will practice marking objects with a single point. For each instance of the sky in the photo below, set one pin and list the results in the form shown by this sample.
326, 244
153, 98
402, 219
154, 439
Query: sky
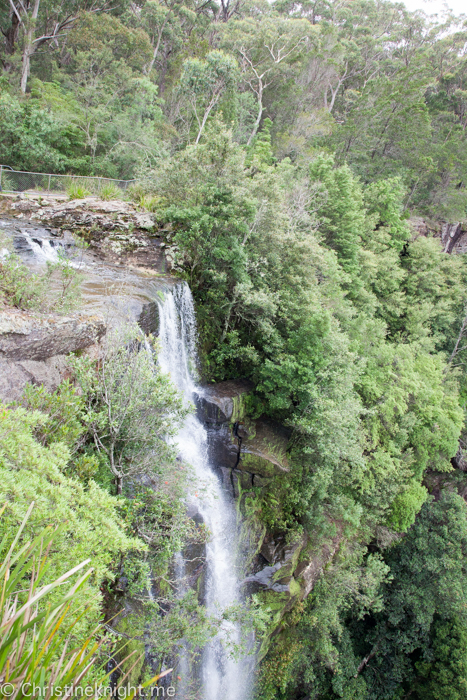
436, 6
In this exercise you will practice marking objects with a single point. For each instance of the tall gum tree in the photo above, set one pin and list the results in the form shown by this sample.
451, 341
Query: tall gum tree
266, 50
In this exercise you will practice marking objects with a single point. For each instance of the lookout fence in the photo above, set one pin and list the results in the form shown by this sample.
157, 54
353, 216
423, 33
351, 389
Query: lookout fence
12, 181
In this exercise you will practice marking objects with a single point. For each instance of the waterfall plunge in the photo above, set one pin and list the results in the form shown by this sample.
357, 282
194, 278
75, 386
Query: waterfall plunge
222, 677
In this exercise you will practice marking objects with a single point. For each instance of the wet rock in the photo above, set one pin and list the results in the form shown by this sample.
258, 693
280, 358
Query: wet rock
277, 578
223, 402
257, 448
28, 336
264, 579
148, 319
269, 548
222, 446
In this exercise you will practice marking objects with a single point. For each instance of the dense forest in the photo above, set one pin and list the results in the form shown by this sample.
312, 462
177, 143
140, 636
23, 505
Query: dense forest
300, 159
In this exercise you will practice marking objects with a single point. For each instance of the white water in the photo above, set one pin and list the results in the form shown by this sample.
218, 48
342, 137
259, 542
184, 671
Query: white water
222, 677
44, 251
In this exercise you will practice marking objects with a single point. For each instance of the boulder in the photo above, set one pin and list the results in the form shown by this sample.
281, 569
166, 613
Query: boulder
256, 448
313, 561
33, 336
223, 446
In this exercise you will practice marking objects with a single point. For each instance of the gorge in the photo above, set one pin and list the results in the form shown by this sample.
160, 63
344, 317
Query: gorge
233, 350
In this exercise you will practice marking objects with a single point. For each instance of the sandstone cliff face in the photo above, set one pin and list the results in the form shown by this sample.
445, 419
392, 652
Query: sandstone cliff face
33, 336
33, 347
252, 454
452, 236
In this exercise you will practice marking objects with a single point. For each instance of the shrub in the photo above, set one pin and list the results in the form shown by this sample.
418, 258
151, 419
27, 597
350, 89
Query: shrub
6, 183
23, 289
110, 191
31, 471
76, 190
35, 636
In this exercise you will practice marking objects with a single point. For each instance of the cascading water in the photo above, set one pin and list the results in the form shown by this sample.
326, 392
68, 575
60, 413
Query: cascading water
222, 677
44, 251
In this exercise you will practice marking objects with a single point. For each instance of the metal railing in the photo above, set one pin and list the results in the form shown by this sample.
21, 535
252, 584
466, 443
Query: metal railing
12, 181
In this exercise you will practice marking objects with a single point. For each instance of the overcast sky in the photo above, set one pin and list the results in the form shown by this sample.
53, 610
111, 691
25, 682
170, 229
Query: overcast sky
436, 6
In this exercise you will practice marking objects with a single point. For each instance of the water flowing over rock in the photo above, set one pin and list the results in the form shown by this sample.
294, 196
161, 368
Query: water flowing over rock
222, 677
114, 229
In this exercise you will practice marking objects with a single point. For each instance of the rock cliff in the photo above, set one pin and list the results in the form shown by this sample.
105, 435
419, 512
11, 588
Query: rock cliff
33, 347
250, 455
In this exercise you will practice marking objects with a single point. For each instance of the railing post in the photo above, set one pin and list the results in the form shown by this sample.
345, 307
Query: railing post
1, 170
48, 186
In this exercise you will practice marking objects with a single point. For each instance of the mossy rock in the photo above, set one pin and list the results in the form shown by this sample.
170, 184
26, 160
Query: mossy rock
277, 605
263, 450
223, 402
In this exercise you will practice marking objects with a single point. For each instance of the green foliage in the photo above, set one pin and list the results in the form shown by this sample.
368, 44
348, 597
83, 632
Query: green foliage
23, 289
30, 472
32, 633
75, 190
283, 149
342, 214
307, 284
445, 674
261, 153
35, 634
131, 407
18, 286
406, 505
64, 411
32, 137
204, 82
425, 598
109, 191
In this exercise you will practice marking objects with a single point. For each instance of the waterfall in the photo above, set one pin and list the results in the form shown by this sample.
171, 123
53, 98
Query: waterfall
222, 677
43, 249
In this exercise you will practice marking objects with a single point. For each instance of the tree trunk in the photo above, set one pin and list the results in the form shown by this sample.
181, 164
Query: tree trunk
29, 46
203, 123
119, 483
11, 35
150, 66
258, 118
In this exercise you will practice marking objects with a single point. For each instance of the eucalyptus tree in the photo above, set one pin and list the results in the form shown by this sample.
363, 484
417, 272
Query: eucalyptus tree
31, 25
203, 83
267, 49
